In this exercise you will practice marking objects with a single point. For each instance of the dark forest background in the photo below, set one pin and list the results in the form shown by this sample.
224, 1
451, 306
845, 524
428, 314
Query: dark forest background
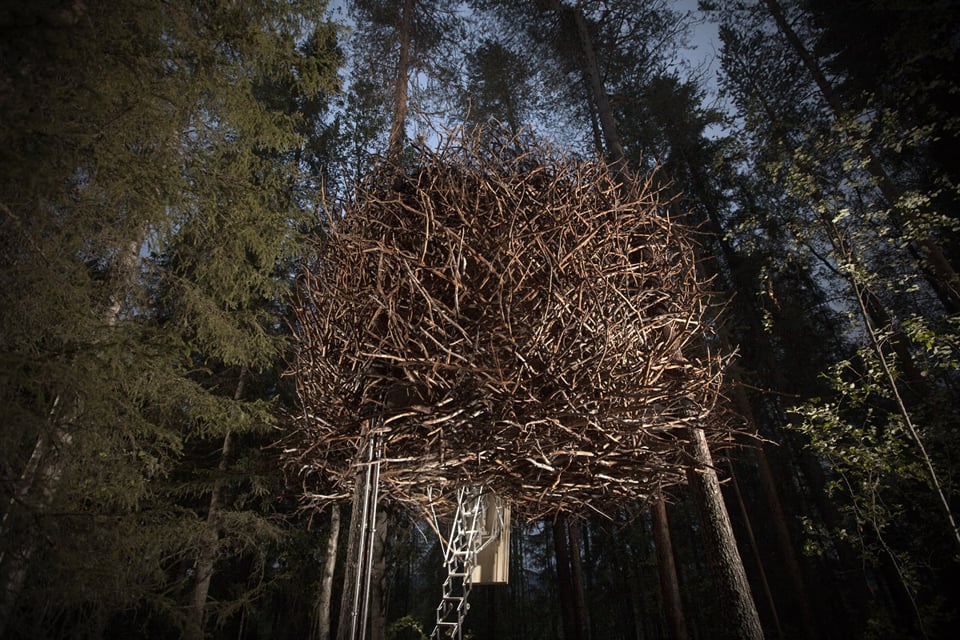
165, 167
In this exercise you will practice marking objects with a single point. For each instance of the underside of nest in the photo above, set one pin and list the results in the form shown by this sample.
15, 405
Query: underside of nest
516, 320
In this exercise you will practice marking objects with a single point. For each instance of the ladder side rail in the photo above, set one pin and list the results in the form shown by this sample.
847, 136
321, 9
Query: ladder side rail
376, 456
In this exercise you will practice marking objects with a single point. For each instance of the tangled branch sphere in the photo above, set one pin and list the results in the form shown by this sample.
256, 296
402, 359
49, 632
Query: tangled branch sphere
517, 320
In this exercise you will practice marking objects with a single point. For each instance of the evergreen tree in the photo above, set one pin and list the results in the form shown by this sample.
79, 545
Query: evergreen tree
146, 192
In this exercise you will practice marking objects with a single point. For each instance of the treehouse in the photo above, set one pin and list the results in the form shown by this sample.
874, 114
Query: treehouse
506, 320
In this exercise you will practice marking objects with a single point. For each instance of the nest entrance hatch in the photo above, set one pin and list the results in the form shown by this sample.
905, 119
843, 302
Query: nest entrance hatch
507, 319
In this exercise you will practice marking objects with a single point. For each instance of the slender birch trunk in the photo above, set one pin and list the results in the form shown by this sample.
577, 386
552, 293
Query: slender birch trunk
211, 535
321, 611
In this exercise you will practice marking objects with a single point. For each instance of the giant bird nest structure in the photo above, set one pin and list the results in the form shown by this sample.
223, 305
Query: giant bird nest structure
517, 320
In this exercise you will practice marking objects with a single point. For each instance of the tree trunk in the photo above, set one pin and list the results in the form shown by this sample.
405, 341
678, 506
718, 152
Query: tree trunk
34, 494
752, 539
518, 579
321, 611
580, 613
564, 578
768, 485
398, 128
211, 537
721, 547
608, 123
785, 540
208, 552
667, 569
623, 557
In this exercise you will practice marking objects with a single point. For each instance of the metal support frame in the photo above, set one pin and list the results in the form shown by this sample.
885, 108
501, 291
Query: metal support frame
368, 525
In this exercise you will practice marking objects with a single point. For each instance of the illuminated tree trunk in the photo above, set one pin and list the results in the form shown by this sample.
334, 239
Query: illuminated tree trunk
721, 547
321, 612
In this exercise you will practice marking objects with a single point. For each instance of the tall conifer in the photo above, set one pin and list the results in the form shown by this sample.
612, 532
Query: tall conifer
148, 210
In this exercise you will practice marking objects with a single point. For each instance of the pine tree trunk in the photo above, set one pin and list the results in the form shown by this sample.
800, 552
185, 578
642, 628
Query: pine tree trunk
518, 579
398, 127
785, 540
721, 547
623, 558
321, 611
758, 560
608, 123
778, 515
667, 569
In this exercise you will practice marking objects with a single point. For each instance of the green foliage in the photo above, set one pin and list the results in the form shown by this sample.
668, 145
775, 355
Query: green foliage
840, 150
406, 628
152, 200
863, 442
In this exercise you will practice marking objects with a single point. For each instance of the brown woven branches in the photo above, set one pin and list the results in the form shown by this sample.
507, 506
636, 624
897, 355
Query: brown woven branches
507, 319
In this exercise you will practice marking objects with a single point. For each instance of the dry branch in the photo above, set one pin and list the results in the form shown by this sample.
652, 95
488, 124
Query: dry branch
504, 318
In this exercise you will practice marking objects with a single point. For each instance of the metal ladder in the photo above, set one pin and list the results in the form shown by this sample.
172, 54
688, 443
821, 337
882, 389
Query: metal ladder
460, 558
